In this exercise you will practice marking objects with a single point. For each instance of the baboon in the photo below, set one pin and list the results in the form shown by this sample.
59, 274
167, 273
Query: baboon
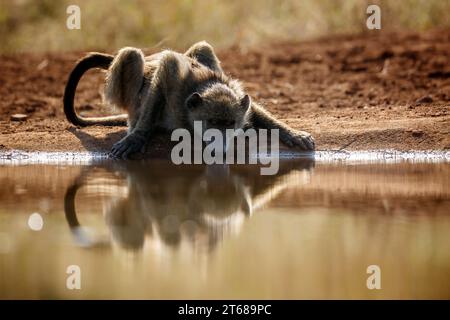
170, 90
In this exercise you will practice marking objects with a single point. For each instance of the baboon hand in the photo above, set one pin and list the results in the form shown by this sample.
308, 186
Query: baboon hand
298, 139
130, 144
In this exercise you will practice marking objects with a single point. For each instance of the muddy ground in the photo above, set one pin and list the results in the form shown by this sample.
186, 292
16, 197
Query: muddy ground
382, 91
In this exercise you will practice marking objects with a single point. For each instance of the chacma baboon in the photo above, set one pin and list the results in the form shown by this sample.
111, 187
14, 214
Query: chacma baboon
170, 90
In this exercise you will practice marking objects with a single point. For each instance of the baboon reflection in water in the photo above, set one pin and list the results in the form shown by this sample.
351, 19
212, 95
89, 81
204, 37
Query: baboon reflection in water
173, 204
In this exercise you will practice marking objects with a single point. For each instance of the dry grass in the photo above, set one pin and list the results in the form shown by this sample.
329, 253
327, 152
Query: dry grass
40, 25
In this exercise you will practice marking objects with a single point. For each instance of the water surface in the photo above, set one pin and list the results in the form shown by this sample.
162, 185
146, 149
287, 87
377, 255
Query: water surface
154, 230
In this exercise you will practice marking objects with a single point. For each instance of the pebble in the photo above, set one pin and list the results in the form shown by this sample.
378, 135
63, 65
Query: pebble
417, 133
19, 117
425, 99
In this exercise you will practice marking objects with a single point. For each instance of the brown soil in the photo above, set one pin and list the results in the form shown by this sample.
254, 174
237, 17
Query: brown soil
384, 91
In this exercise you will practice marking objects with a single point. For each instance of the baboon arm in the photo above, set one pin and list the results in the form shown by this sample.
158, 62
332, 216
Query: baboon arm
262, 119
163, 87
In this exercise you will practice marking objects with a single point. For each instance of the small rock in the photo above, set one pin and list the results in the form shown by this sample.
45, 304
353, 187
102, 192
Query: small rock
42, 65
349, 91
19, 117
417, 133
30, 109
86, 107
425, 99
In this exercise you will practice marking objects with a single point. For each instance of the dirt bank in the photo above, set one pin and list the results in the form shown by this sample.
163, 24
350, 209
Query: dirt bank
355, 92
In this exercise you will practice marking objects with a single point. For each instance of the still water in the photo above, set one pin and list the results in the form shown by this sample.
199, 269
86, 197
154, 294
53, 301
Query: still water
155, 230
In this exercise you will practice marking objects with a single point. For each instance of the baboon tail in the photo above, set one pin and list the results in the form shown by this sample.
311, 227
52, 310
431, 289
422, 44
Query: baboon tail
69, 205
93, 60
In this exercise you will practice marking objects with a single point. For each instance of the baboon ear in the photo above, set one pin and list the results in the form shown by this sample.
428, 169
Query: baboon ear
245, 102
194, 100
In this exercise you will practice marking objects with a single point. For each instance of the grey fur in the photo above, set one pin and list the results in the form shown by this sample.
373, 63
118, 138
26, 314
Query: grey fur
171, 90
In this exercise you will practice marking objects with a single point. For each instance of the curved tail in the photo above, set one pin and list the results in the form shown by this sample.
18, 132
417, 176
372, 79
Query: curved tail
69, 205
81, 237
93, 60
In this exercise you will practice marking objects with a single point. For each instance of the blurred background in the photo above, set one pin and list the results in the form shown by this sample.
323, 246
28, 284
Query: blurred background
40, 25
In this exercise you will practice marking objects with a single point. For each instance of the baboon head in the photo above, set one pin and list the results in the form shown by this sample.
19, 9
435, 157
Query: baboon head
218, 107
